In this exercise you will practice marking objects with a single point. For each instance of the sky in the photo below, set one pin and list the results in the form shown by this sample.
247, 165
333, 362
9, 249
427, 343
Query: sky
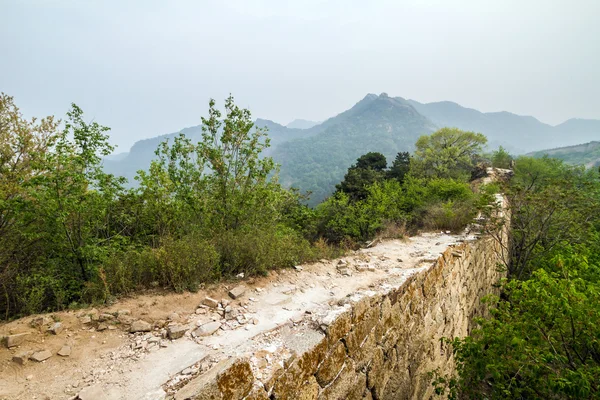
149, 67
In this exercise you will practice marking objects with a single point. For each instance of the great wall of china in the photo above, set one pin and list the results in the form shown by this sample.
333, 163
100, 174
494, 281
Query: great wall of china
366, 326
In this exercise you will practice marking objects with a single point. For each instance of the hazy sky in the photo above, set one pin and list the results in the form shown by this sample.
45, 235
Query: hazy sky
149, 67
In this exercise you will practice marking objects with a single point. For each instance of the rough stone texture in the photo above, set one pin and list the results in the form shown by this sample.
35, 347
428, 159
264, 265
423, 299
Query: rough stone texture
22, 357
176, 331
228, 380
331, 366
56, 328
140, 326
40, 356
207, 329
15, 340
237, 292
210, 302
383, 344
64, 351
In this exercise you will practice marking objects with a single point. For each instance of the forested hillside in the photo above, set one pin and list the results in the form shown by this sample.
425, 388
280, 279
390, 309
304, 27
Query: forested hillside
377, 123
587, 154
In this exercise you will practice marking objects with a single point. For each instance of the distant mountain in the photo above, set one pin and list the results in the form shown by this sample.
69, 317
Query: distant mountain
142, 153
515, 132
587, 154
376, 123
316, 157
301, 124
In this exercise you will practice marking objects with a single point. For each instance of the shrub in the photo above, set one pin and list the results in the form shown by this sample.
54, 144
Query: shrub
450, 215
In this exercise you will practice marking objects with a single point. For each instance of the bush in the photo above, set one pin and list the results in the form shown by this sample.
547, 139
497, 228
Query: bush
451, 215
258, 250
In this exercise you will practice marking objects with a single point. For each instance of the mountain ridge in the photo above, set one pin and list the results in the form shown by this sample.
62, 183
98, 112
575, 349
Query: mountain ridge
376, 123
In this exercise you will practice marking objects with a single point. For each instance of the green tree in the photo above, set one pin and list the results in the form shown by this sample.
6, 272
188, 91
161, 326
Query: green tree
232, 149
447, 153
400, 167
501, 158
369, 168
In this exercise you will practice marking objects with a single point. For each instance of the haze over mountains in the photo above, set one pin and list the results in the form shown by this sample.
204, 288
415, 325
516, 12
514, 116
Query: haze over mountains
315, 156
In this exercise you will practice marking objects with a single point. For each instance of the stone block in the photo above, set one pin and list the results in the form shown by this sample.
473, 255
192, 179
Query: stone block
210, 302
339, 328
64, 351
236, 381
309, 390
342, 386
331, 365
207, 329
16, 339
41, 355
237, 292
140, 326
22, 357
56, 328
299, 371
176, 331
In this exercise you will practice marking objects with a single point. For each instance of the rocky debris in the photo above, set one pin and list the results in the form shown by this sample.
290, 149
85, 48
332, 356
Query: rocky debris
56, 328
41, 355
15, 340
64, 351
173, 316
176, 331
237, 292
101, 327
207, 329
85, 320
298, 268
140, 326
91, 393
210, 302
105, 317
22, 357
40, 322
365, 267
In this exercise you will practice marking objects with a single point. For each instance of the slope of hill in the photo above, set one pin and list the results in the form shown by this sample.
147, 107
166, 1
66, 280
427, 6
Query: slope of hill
301, 124
142, 153
516, 132
376, 123
587, 154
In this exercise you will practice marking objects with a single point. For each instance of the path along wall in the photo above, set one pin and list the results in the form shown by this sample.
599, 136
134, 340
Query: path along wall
381, 345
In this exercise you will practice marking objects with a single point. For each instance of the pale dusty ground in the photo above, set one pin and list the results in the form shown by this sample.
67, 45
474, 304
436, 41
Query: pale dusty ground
270, 309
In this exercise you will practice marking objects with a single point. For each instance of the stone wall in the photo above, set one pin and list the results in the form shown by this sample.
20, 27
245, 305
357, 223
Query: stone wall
379, 345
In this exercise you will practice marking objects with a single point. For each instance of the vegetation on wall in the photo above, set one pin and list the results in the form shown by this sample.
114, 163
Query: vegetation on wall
541, 340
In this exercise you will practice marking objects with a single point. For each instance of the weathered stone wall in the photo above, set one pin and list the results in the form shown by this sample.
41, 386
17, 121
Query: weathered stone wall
381, 345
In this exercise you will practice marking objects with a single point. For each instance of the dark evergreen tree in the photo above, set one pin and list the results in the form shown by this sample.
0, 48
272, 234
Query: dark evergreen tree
369, 168
400, 166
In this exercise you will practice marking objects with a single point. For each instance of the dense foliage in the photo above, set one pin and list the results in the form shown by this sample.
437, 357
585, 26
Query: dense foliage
71, 233
542, 339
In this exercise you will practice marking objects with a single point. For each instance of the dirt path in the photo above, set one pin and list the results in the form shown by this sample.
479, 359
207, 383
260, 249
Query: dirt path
113, 364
